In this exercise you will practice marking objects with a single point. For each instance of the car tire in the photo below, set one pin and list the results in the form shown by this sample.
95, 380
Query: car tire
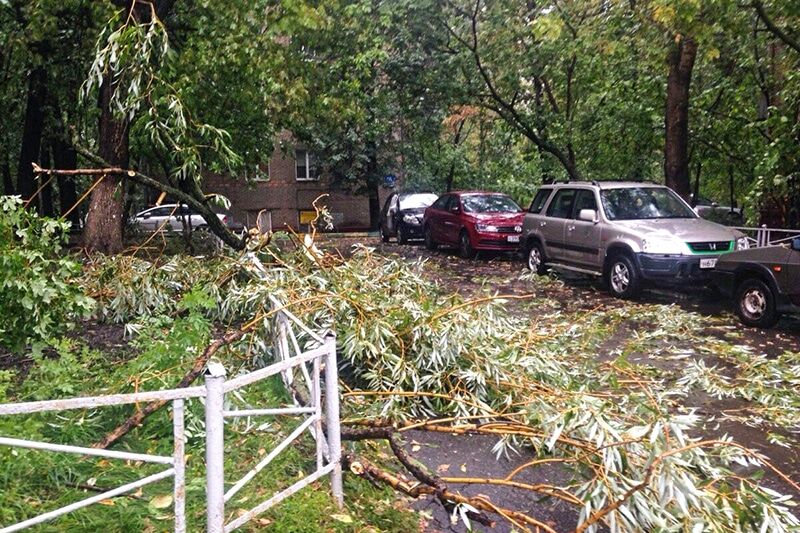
534, 258
622, 277
465, 250
402, 237
384, 237
755, 304
430, 244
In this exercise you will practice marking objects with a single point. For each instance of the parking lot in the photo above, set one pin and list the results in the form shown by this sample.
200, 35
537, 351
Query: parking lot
658, 337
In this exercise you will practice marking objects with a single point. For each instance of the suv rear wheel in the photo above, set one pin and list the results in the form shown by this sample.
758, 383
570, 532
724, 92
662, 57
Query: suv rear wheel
623, 279
535, 258
755, 304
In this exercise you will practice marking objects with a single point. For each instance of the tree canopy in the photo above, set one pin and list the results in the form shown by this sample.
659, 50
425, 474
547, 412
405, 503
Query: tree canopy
704, 95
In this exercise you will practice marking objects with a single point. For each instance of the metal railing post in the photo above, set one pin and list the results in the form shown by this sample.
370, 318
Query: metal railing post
332, 418
317, 401
215, 447
179, 458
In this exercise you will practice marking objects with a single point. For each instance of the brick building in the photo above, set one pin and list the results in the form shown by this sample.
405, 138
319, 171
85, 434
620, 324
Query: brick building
283, 191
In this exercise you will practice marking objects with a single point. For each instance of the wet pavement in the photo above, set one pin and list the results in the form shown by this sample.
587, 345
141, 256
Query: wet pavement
488, 273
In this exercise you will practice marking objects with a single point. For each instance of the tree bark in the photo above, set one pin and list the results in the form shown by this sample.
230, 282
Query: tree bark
66, 158
46, 194
32, 131
676, 118
104, 223
8, 183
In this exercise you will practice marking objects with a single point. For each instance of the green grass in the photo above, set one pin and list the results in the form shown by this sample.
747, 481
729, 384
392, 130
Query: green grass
33, 482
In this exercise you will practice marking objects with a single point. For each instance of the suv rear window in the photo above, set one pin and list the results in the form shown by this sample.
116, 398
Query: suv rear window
539, 200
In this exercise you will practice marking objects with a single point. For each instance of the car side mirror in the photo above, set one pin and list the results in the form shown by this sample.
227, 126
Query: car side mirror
589, 215
796, 244
146, 215
455, 209
714, 204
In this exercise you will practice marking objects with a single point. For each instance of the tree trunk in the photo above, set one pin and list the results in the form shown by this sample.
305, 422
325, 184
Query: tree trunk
32, 131
66, 158
8, 183
46, 194
676, 117
104, 223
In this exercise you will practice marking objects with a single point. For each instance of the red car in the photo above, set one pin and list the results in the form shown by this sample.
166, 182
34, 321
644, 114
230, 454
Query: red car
472, 221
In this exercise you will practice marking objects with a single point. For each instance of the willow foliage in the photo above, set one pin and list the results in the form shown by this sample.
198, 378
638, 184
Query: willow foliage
418, 354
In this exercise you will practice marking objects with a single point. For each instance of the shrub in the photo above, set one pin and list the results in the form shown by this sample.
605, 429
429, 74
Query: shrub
39, 298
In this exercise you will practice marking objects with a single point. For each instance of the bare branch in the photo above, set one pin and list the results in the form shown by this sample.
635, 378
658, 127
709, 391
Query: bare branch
778, 32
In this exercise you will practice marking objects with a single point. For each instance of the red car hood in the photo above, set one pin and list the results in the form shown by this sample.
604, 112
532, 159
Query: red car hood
498, 218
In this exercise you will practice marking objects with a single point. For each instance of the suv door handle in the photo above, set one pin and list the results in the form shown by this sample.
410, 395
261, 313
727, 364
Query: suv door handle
542, 224
570, 228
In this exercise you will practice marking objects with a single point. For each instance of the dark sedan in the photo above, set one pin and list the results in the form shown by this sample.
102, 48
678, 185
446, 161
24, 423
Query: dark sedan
474, 221
764, 282
401, 215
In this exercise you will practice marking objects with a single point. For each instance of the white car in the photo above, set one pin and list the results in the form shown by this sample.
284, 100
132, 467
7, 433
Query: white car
172, 217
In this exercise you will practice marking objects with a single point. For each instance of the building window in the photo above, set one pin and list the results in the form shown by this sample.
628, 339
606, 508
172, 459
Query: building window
261, 172
261, 220
305, 165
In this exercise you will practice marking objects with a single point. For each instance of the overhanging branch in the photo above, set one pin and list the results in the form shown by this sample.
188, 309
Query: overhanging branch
201, 206
771, 26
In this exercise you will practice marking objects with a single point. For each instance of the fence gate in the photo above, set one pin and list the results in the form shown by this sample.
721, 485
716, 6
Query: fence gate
289, 357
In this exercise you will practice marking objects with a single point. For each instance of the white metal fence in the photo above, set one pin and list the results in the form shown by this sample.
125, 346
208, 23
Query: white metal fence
289, 357
764, 236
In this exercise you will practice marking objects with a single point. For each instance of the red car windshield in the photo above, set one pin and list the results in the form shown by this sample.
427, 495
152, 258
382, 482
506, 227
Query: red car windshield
489, 203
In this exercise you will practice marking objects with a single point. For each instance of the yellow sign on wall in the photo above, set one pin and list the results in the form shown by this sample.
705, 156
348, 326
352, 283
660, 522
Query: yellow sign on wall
306, 217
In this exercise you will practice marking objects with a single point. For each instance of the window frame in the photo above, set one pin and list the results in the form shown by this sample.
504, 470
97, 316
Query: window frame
547, 193
551, 205
308, 156
575, 210
444, 199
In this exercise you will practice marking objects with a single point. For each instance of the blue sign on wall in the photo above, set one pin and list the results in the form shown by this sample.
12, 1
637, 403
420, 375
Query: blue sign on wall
389, 180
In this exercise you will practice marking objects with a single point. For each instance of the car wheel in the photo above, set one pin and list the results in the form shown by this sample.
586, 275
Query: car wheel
755, 304
464, 246
623, 279
535, 258
384, 237
402, 238
430, 244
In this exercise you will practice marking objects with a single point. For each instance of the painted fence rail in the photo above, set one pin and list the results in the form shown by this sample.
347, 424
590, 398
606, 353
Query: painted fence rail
289, 357
764, 236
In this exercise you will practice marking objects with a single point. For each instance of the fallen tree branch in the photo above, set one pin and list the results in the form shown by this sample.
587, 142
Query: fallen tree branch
137, 418
367, 470
199, 205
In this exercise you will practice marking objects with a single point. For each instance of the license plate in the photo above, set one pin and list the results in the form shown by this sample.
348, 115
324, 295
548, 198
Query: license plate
513, 238
710, 262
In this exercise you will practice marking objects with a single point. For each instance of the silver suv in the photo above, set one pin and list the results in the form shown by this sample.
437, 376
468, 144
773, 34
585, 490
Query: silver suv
628, 232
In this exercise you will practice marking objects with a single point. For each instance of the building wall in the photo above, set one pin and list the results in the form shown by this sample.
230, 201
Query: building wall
281, 197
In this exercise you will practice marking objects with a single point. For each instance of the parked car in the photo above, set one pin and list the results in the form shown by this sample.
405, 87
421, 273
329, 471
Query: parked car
402, 215
712, 210
628, 232
171, 217
473, 221
764, 282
